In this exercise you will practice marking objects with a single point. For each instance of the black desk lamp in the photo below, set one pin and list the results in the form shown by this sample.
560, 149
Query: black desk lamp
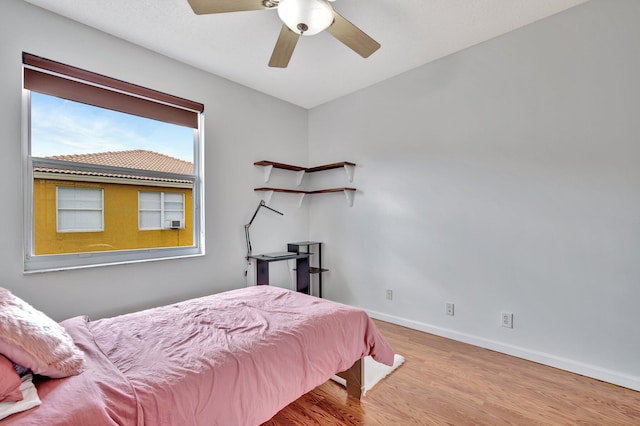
246, 231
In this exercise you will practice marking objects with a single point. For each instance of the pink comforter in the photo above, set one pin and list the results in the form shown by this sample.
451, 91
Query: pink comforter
235, 358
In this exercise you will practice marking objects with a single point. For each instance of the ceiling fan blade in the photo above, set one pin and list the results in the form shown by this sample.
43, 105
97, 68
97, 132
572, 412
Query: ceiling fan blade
352, 36
284, 48
203, 7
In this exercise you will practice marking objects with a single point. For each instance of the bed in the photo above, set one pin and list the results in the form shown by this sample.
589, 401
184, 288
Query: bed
234, 358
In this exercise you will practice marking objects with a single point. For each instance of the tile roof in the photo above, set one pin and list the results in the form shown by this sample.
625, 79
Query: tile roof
134, 159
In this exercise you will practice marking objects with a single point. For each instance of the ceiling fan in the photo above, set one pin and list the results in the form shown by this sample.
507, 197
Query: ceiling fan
299, 17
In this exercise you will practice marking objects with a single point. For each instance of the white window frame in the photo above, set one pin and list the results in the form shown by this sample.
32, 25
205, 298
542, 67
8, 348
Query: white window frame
162, 210
79, 209
48, 263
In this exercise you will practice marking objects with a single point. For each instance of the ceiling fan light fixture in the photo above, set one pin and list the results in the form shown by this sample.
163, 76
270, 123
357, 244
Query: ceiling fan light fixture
306, 17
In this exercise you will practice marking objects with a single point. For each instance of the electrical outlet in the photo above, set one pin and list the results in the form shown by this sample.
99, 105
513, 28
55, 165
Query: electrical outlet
507, 319
449, 309
389, 294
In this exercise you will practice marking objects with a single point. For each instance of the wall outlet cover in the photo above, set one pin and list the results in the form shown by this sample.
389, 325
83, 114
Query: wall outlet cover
449, 309
507, 319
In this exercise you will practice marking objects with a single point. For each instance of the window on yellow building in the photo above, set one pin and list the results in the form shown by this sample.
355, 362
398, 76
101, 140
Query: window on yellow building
160, 210
79, 209
113, 170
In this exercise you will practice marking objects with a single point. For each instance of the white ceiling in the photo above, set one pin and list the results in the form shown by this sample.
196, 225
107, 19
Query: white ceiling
238, 45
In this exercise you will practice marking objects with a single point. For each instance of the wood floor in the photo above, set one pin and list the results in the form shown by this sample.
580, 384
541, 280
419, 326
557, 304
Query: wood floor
449, 383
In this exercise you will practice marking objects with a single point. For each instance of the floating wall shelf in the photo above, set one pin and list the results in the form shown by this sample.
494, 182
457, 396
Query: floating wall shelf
348, 192
270, 165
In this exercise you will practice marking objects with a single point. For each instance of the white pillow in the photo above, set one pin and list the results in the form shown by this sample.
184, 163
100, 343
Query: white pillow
30, 338
29, 399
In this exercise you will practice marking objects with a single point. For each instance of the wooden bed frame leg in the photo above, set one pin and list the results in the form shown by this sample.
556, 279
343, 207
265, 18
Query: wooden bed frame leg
355, 379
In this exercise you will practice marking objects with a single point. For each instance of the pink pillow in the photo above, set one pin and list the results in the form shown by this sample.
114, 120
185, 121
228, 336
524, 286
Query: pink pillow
33, 340
9, 382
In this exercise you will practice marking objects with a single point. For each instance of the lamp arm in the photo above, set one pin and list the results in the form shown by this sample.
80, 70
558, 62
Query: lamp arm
255, 213
248, 240
248, 225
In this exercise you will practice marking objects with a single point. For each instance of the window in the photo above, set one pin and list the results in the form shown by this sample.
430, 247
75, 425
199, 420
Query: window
113, 170
161, 210
79, 209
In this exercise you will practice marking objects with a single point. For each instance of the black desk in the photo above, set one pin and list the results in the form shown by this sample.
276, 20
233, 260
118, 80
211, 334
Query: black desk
303, 280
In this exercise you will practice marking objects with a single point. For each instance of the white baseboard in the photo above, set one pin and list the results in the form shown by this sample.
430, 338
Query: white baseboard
610, 376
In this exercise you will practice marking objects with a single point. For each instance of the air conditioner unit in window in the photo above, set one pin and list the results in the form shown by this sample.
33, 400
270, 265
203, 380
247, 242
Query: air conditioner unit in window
175, 224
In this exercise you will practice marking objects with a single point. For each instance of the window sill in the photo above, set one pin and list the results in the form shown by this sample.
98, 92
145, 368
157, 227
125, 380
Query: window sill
62, 262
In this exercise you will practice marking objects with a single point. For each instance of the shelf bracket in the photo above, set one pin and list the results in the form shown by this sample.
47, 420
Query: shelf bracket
300, 177
266, 195
350, 171
267, 172
301, 199
350, 194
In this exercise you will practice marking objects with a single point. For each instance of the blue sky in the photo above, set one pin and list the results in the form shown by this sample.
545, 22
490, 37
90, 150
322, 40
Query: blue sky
62, 127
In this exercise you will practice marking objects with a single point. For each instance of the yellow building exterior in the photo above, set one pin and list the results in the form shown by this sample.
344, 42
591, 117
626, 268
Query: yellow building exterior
120, 221
120, 210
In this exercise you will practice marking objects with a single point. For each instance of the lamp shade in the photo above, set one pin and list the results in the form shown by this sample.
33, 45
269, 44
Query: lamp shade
306, 17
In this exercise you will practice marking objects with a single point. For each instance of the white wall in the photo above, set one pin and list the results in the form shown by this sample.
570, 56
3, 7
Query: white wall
501, 178
504, 177
238, 132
